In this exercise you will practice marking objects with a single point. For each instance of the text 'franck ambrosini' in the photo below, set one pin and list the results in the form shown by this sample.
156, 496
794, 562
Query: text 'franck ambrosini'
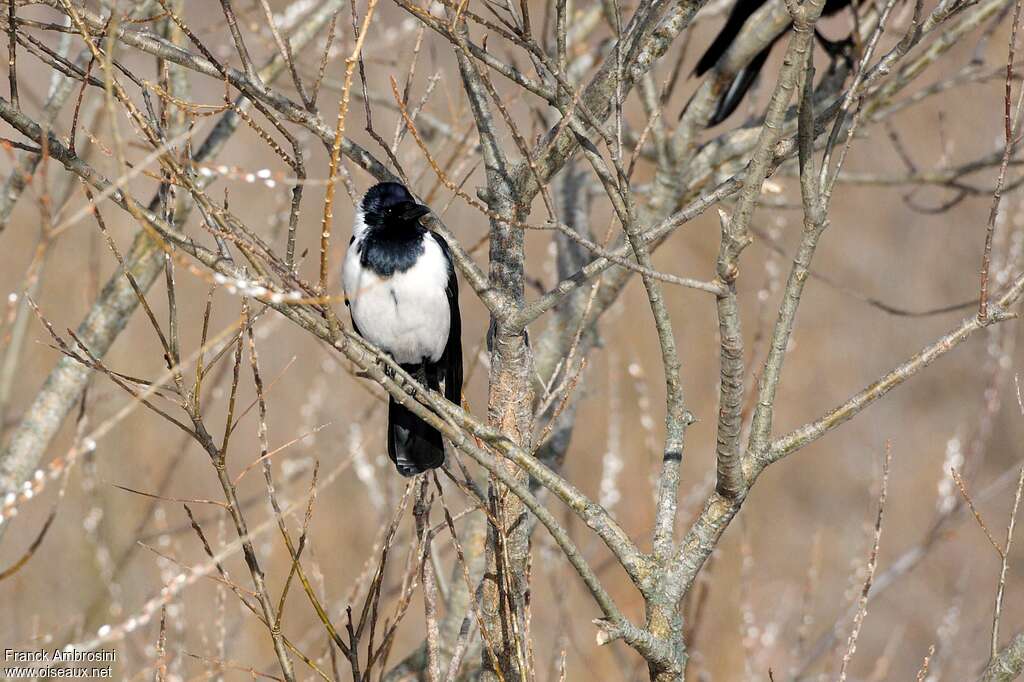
59, 655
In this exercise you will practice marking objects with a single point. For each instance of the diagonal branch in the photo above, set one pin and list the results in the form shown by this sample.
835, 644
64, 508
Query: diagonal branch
116, 303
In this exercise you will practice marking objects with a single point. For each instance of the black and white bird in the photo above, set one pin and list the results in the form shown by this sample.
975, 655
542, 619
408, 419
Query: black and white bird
745, 77
403, 295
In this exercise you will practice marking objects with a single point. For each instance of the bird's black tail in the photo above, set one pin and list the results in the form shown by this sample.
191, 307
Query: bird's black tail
738, 88
413, 444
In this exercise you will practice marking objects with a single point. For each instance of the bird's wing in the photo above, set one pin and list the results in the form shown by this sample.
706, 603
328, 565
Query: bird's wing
741, 11
738, 88
355, 327
351, 317
452, 358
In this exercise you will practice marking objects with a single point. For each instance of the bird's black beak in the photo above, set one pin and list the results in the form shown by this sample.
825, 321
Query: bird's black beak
413, 212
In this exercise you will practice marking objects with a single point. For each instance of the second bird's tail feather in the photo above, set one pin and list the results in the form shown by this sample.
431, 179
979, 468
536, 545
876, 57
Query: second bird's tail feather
737, 90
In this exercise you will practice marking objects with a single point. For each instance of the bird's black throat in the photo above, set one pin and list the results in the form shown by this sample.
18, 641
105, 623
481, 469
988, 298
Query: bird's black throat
391, 248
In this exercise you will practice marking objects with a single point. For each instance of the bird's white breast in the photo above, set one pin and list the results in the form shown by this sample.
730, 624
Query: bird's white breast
406, 314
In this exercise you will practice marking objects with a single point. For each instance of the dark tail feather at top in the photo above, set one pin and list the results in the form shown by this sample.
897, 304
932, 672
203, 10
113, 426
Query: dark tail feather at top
413, 445
738, 88
722, 41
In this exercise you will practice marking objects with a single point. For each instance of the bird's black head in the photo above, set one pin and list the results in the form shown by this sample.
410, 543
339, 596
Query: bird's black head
389, 222
390, 205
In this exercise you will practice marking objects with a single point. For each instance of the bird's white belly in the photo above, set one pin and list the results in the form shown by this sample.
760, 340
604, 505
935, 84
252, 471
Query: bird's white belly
406, 314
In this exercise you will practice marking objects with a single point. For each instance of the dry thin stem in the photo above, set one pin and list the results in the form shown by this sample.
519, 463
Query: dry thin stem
1004, 555
862, 608
339, 134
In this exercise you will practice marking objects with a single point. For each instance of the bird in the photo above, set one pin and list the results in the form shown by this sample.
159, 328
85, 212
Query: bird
745, 77
403, 297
